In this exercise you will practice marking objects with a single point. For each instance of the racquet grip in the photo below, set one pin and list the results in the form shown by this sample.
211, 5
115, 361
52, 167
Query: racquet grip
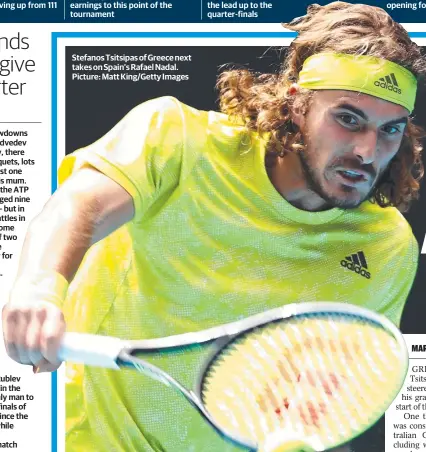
91, 349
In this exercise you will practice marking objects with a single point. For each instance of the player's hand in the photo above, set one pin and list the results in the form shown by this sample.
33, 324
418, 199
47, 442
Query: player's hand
32, 331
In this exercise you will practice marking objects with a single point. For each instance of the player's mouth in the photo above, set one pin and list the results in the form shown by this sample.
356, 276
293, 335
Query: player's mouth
352, 177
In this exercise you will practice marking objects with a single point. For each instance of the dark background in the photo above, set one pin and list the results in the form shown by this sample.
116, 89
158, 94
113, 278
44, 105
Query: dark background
94, 107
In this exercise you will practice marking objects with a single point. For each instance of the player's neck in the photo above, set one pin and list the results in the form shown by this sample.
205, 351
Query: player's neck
289, 180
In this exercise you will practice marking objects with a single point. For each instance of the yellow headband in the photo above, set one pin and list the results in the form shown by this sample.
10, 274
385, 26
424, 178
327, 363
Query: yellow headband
361, 73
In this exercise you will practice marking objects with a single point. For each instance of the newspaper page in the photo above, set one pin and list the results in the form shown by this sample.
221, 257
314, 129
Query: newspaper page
95, 96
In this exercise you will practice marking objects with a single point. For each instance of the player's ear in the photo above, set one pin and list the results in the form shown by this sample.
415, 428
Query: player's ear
297, 114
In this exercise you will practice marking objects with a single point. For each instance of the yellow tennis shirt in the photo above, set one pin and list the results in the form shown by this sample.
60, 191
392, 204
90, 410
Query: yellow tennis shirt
212, 241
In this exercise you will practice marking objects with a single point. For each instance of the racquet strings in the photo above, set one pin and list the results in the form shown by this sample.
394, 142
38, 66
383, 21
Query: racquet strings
326, 376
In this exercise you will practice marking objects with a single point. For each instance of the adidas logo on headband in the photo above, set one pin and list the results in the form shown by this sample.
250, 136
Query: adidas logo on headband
388, 82
360, 73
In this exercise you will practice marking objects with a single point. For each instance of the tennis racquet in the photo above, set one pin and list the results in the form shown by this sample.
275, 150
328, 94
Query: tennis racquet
304, 377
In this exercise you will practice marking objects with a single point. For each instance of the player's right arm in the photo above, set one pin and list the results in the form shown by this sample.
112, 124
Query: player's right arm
118, 178
85, 209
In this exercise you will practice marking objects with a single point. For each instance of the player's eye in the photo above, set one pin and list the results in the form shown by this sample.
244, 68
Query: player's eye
391, 130
347, 120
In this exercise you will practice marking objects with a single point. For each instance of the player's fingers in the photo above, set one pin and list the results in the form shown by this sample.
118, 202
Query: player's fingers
9, 318
51, 335
33, 334
45, 366
20, 334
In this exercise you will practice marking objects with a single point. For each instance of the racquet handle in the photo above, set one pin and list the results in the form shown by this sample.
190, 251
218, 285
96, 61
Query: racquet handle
91, 349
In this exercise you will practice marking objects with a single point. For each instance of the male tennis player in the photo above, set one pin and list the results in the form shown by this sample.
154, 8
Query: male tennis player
178, 220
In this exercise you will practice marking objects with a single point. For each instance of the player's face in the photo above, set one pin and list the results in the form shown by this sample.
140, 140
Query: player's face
350, 139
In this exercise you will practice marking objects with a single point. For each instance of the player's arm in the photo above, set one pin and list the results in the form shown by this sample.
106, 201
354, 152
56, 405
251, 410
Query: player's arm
88, 207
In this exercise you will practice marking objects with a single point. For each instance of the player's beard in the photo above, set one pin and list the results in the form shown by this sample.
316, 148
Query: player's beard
316, 183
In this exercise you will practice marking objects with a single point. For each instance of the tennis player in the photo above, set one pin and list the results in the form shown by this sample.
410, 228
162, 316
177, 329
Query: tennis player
178, 220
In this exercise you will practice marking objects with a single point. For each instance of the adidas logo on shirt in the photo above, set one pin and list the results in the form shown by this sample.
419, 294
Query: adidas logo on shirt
388, 82
357, 263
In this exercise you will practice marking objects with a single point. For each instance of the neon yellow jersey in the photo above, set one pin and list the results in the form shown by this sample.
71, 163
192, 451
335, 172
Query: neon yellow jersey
212, 241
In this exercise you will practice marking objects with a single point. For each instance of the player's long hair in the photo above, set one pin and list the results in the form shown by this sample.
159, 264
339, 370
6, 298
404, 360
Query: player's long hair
264, 102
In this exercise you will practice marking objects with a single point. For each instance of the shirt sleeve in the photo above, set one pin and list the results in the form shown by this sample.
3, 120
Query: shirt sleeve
142, 153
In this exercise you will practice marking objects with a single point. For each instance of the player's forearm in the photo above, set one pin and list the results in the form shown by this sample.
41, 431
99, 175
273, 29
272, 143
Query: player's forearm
86, 209
59, 237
